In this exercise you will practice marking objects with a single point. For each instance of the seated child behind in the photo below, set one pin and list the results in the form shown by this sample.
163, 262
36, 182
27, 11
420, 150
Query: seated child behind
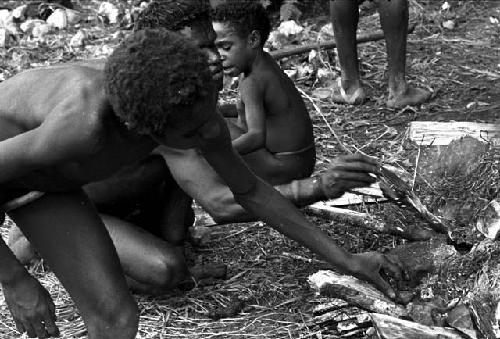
273, 131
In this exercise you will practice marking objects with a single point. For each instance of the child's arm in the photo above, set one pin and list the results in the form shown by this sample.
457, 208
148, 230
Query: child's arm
255, 137
267, 204
229, 110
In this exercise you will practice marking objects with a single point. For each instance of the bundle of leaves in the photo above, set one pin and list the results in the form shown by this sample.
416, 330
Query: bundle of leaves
460, 181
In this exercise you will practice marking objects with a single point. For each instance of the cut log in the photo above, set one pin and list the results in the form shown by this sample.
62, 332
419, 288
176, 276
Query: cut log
367, 221
388, 327
484, 308
372, 36
460, 319
338, 317
427, 133
332, 305
335, 317
355, 292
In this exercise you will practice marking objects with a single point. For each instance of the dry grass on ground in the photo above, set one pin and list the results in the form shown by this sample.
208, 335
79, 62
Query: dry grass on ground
267, 272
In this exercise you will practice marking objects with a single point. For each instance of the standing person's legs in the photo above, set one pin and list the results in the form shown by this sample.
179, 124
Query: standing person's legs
345, 17
67, 231
394, 22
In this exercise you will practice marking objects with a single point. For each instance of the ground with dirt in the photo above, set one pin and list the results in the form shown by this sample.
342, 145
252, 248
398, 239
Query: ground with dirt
267, 294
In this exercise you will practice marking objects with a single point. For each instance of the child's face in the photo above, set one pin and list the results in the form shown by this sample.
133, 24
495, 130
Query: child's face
204, 36
235, 52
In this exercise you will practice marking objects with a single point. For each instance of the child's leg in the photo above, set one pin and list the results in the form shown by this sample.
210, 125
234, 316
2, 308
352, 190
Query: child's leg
394, 21
345, 17
67, 231
145, 258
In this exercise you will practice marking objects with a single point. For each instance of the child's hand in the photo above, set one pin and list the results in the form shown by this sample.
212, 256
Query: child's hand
373, 267
31, 307
348, 172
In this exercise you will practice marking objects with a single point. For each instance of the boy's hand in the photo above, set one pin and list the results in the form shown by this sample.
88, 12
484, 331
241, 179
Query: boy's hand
348, 172
372, 267
31, 307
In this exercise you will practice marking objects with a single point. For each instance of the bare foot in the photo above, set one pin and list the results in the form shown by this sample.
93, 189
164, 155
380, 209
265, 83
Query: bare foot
410, 97
355, 95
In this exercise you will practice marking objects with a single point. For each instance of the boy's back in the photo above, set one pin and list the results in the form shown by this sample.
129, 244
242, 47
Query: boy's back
288, 125
69, 101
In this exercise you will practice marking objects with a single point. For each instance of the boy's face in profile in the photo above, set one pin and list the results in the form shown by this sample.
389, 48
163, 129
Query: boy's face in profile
188, 134
234, 50
203, 35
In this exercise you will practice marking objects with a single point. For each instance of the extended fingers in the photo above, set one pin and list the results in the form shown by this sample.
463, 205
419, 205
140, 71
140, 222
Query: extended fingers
346, 175
50, 325
362, 158
393, 267
30, 331
384, 286
39, 328
355, 166
19, 325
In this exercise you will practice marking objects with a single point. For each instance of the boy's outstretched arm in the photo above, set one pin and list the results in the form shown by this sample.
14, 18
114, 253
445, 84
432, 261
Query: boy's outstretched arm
255, 137
267, 204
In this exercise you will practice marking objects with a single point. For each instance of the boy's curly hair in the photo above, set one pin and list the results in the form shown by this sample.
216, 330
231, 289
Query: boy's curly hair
154, 78
244, 16
173, 15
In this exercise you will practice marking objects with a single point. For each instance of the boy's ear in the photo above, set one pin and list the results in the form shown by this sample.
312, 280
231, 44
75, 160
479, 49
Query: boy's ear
254, 39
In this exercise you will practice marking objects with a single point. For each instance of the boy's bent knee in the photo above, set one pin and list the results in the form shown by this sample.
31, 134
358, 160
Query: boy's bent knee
168, 270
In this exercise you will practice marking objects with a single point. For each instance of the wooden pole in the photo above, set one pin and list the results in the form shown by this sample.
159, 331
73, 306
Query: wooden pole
365, 37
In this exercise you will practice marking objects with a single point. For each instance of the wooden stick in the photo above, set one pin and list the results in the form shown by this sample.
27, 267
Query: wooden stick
397, 190
355, 292
433, 133
388, 327
364, 220
365, 37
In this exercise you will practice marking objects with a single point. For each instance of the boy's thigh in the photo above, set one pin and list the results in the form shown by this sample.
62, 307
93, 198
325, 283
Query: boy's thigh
67, 231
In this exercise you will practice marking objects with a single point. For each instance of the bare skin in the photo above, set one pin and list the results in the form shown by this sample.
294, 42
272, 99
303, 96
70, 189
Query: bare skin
147, 214
60, 137
273, 124
394, 22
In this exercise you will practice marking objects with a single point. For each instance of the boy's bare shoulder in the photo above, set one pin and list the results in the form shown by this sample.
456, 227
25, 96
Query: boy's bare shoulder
63, 93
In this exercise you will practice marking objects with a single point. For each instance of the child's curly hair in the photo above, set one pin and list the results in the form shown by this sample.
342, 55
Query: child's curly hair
154, 78
173, 15
244, 16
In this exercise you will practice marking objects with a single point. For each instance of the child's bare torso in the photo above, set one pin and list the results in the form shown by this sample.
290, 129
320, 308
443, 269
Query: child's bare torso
75, 95
288, 125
